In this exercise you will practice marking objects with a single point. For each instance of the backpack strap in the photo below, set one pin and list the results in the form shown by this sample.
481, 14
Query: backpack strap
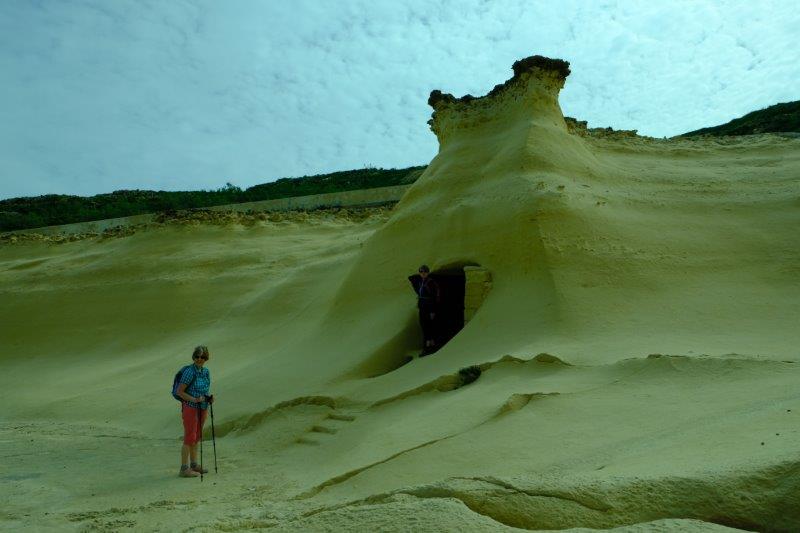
194, 377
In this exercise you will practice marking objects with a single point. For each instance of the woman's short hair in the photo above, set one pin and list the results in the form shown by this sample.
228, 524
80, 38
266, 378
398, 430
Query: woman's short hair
424, 268
200, 350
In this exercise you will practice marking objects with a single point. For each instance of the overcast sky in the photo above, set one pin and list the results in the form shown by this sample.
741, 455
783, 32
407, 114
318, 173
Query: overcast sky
101, 95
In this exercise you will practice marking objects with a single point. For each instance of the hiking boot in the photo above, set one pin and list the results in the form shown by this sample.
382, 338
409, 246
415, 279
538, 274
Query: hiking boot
199, 469
188, 472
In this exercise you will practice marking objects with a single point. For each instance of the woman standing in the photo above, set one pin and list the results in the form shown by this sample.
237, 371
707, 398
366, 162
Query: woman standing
428, 299
195, 383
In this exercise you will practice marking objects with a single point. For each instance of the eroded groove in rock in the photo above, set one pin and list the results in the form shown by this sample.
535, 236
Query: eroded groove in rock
248, 423
450, 382
588, 502
347, 475
764, 500
516, 402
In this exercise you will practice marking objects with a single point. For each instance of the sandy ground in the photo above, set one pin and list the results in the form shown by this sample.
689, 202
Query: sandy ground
638, 348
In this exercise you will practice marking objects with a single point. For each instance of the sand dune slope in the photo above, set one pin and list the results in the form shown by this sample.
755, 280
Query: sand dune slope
637, 346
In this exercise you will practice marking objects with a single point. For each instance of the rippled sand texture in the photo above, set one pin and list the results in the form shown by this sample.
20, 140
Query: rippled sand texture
638, 347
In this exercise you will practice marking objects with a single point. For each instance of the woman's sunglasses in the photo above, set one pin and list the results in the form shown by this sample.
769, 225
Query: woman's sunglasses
203, 357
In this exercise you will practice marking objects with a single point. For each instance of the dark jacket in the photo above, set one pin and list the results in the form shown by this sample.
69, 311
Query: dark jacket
428, 293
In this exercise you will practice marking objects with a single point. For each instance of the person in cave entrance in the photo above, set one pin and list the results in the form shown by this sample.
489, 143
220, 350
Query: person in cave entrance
428, 298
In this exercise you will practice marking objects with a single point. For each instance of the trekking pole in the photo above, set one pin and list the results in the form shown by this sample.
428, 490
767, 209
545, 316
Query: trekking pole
200, 426
213, 436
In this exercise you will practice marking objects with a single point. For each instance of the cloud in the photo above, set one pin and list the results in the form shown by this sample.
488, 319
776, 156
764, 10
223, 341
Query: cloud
97, 96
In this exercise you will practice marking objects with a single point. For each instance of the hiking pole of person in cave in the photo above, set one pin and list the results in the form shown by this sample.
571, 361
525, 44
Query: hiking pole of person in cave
428, 298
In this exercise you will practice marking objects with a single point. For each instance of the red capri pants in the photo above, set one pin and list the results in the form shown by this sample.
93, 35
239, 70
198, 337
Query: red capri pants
193, 420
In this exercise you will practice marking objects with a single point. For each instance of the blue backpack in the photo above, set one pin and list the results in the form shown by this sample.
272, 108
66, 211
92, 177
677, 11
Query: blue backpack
177, 381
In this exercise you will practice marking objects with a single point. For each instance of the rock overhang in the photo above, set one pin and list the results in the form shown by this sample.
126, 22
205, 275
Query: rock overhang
523, 66
531, 91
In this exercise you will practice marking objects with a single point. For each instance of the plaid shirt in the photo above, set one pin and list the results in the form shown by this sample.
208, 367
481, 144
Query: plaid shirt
200, 386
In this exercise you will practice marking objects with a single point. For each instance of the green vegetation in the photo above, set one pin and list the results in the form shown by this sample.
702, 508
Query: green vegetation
779, 118
56, 209
468, 375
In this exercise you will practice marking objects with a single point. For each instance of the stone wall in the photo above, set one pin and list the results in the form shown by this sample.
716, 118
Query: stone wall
361, 197
357, 198
478, 285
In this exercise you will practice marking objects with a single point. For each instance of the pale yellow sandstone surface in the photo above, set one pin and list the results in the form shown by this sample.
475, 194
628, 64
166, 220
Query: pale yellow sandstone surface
637, 329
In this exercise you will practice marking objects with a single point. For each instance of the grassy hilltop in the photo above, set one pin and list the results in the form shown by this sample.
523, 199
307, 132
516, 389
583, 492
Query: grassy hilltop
778, 118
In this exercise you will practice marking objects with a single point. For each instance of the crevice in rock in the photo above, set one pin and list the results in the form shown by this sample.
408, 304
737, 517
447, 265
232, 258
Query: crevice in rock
248, 423
763, 499
347, 475
456, 380
589, 503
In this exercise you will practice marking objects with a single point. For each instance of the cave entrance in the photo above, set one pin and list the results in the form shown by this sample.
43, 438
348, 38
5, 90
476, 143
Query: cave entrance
450, 311
463, 289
